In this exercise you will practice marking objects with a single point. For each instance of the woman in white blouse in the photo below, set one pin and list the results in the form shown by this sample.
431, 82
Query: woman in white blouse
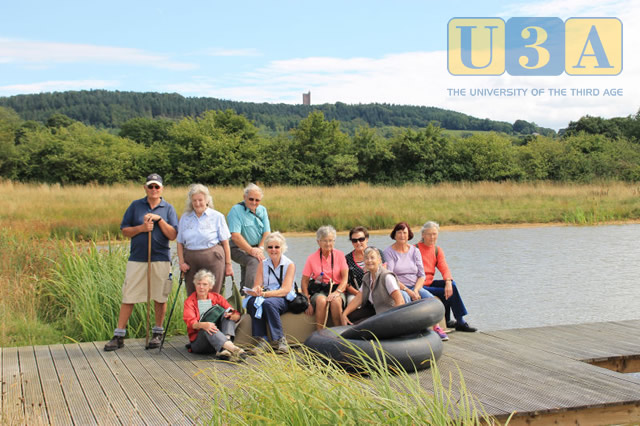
203, 239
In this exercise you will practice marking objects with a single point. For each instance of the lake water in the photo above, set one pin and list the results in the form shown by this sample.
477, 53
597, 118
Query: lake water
528, 277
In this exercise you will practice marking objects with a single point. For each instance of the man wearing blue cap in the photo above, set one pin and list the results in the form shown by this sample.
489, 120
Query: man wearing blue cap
151, 214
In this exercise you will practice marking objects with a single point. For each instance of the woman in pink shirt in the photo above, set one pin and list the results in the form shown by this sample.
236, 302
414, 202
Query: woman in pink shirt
324, 279
445, 289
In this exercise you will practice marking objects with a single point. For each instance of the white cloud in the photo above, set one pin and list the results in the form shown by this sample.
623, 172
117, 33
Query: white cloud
50, 86
42, 52
569, 8
421, 78
216, 51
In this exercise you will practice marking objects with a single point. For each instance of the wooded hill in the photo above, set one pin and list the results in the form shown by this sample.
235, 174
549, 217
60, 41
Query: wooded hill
111, 109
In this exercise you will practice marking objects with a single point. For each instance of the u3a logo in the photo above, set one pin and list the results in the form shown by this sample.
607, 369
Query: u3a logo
535, 46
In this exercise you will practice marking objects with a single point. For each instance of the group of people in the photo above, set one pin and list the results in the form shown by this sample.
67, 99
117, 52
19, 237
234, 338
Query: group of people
347, 288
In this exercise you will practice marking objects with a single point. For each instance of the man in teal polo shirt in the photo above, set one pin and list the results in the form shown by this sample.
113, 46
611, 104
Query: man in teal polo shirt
249, 226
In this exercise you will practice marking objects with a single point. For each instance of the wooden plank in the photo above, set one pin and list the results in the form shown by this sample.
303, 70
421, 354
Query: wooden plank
596, 416
77, 402
148, 411
34, 405
173, 384
586, 376
56, 405
550, 386
152, 387
127, 413
450, 378
13, 406
96, 398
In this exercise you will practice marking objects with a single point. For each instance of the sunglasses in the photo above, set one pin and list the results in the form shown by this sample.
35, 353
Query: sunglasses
152, 186
254, 199
273, 247
358, 240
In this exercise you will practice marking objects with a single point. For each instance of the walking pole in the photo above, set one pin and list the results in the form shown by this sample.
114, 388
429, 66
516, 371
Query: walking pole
146, 345
326, 313
175, 299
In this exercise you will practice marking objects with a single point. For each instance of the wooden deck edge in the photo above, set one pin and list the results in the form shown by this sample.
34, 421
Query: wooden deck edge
621, 364
625, 413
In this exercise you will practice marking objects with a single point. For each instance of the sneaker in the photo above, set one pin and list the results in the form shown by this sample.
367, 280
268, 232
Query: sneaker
155, 341
239, 354
441, 333
116, 343
283, 346
465, 327
261, 346
224, 355
452, 323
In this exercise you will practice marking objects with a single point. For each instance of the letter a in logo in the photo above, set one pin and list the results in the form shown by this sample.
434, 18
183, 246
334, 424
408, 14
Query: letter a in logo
476, 46
593, 46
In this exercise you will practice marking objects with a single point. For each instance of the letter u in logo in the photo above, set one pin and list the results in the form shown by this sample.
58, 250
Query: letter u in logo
476, 46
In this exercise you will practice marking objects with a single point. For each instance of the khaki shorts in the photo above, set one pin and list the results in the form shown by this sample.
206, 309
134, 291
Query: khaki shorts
134, 289
315, 297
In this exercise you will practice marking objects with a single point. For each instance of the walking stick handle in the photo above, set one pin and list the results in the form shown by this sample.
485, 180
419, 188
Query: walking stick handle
148, 288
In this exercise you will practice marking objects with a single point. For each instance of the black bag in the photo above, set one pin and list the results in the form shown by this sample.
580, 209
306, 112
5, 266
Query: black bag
299, 304
318, 287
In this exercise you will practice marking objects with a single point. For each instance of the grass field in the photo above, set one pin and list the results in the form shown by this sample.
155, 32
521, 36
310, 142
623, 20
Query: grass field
45, 272
94, 212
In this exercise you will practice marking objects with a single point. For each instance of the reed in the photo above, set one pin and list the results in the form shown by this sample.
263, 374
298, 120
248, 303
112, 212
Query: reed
307, 388
24, 265
85, 290
94, 212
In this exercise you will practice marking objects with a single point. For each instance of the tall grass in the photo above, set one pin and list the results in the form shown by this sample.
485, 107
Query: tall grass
94, 211
307, 388
85, 292
24, 266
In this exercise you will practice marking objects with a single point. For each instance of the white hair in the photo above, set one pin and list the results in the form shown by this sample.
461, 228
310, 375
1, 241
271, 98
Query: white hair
279, 238
204, 274
253, 187
325, 231
197, 188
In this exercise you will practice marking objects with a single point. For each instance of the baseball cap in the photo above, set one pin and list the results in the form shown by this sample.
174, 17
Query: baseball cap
154, 178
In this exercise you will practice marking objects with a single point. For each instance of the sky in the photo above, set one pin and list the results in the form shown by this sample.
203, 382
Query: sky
350, 51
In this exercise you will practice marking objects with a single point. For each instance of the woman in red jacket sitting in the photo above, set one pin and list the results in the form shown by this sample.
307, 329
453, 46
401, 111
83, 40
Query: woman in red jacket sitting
211, 322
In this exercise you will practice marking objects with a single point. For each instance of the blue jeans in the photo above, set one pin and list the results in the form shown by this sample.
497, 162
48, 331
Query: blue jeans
452, 304
424, 294
272, 308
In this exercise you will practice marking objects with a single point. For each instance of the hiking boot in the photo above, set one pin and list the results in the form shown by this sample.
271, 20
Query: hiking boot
261, 346
116, 343
465, 327
441, 333
155, 341
283, 346
224, 355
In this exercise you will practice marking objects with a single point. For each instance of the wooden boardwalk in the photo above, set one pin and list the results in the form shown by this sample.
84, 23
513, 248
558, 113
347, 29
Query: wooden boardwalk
540, 373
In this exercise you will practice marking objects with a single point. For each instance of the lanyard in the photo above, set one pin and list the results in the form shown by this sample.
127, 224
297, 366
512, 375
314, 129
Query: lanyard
274, 274
322, 267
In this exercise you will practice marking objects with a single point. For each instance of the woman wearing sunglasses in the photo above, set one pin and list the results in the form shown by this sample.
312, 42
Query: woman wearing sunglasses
274, 280
359, 237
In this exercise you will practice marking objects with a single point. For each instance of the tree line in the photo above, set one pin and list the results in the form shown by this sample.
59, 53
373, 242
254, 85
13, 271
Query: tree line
225, 148
111, 109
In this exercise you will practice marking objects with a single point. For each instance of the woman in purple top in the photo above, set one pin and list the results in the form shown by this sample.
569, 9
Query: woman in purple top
405, 260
